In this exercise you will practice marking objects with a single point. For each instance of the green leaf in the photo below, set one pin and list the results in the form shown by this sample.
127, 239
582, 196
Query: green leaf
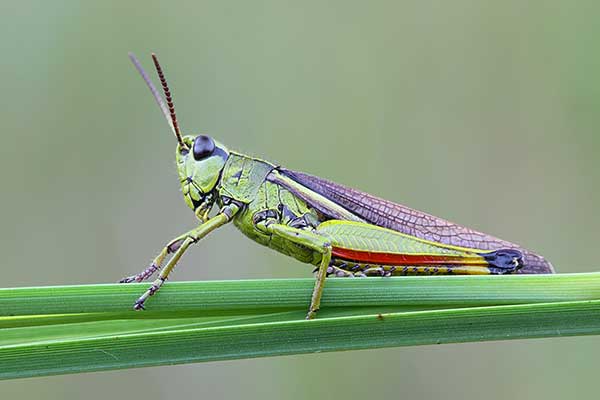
67, 329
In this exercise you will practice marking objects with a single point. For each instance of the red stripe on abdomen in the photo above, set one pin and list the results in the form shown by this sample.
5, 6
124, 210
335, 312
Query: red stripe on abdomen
404, 259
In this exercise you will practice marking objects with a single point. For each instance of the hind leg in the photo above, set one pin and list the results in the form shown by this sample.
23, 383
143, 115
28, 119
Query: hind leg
314, 242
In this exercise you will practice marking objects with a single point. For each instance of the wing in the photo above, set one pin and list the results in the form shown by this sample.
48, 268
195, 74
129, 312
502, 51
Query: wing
387, 214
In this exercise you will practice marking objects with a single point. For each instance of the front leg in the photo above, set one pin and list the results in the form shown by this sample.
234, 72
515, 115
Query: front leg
182, 243
312, 241
170, 248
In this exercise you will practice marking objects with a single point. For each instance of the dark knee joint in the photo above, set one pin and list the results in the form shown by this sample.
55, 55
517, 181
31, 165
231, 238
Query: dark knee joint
173, 247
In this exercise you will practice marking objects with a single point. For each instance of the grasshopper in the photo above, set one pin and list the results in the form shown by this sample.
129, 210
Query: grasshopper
342, 231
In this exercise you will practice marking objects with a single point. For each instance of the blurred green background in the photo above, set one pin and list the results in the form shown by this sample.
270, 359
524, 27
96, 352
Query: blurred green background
485, 113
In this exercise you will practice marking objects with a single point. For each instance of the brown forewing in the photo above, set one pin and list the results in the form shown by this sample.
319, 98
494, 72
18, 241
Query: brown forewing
403, 219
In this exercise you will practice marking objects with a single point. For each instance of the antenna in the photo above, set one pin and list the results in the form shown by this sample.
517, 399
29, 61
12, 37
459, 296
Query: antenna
168, 113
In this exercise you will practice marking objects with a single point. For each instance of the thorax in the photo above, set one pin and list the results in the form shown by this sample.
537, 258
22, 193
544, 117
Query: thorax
284, 206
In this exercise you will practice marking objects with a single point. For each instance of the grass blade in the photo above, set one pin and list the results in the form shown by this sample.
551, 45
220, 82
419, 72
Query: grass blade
58, 330
272, 294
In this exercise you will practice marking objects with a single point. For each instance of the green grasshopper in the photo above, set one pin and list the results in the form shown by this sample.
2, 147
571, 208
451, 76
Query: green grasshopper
342, 231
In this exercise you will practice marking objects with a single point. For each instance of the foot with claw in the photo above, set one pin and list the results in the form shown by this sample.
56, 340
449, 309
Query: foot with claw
139, 303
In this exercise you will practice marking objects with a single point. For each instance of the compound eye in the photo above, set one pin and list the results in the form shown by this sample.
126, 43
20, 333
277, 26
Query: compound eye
203, 147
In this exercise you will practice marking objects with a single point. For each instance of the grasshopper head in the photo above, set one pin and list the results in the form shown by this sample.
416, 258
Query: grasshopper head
200, 161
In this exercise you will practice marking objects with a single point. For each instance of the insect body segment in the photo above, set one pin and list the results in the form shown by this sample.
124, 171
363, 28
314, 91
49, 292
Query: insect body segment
342, 231
344, 268
199, 170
